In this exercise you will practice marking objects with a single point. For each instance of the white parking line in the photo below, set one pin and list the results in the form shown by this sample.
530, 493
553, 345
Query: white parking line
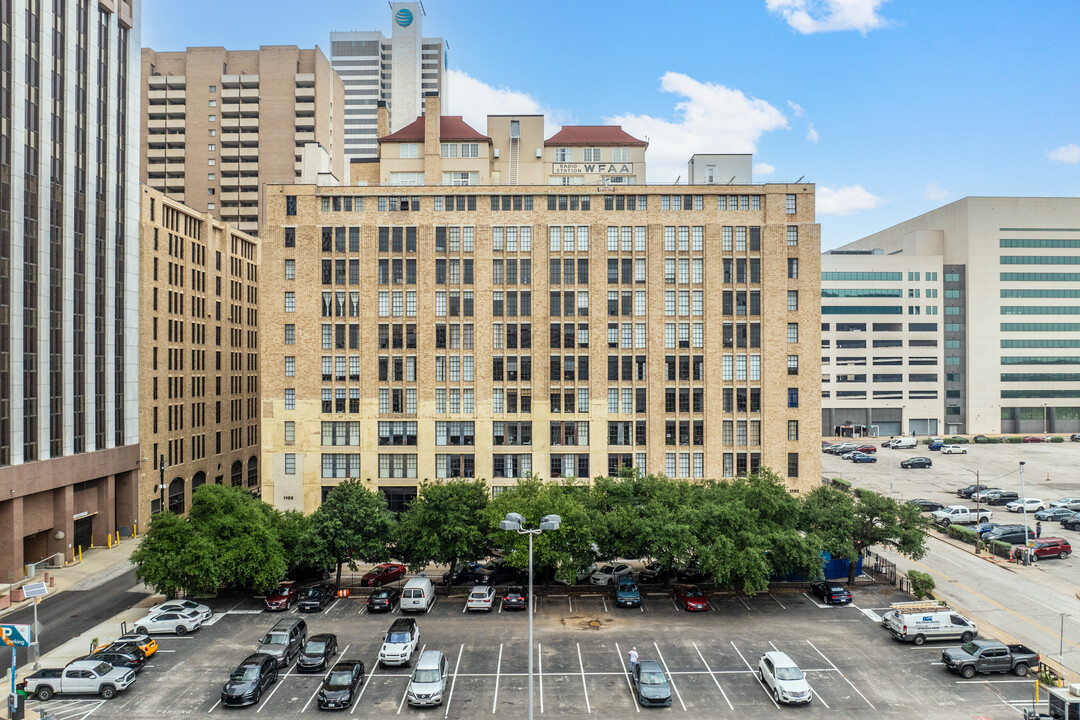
454, 681
571, 601
363, 607
498, 669
540, 666
990, 682
812, 688
604, 600
841, 674
754, 673
777, 602
713, 676
367, 682
815, 601
215, 705
745, 604
317, 689
277, 684
584, 687
637, 705
671, 680
406, 693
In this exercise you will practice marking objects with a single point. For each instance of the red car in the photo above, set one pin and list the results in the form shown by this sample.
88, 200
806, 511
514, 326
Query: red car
1034, 438
1047, 547
382, 574
867, 448
690, 598
286, 595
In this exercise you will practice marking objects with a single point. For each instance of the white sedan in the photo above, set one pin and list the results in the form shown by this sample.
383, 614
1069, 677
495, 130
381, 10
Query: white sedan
184, 606
1072, 503
481, 597
607, 575
168, 622
783, 679
1026, 504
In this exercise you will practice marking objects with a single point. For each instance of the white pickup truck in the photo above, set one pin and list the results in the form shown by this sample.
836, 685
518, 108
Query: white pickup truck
960, 515
82, 677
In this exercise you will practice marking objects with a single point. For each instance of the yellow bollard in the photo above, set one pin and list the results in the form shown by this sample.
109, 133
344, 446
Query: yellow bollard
117, 537
80, 553
108, 541
134, 530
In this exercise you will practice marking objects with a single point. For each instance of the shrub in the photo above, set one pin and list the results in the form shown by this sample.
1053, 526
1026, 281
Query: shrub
922, 584
957, 440
994, 440
924, 441
1000, 549
1057, 438
962, 533
842, 484
1013, 439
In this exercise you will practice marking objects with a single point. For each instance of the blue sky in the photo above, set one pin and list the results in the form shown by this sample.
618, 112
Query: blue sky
892, 108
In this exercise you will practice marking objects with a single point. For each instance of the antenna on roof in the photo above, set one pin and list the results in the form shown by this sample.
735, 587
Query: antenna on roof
677, 180
800, 179
422, 10
731, 180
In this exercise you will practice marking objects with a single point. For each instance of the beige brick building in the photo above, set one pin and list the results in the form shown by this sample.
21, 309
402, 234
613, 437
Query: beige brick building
217, 123
198, 359
460, 328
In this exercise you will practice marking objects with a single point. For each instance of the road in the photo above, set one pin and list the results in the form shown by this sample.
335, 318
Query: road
69, 614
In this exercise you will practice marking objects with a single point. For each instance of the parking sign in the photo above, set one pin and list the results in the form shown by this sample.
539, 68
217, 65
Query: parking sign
15, 635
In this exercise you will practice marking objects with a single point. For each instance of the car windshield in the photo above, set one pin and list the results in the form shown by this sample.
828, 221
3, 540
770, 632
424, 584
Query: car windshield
607, 569
314, 647
692, 592
788, 673
283, 590
653, 678
970, 648
397, 637
378, 570
274, 639
245, 674
425, 676
313, 592
339, 677
836, 589
380, 594
479, 595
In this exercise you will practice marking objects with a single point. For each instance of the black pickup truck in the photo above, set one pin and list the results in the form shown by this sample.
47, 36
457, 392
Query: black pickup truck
989, 656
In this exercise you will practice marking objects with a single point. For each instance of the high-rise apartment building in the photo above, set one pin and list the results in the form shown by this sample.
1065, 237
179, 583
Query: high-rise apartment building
199, 364
969, 306
69, 282
217, 124
457, 328
399, 70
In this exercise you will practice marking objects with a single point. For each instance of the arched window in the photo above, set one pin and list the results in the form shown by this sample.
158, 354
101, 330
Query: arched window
253, 471
199, 479
237, 473
176, 496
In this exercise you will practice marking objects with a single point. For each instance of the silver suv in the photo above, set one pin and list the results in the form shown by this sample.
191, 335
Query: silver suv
284, 640
428, 679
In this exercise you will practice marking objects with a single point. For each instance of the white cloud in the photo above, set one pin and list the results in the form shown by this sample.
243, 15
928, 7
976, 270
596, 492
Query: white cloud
764, 169
711, 119
812, 134
846, 200
935, 193
814, 16
474, 100
1066, 154
796, 109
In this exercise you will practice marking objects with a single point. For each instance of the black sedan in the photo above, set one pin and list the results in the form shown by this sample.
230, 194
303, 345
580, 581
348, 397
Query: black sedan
926, 505
916, 462
383, 599
250, 680
466, 575
691, 573
340, 685
117, 658
831, 593
316, 598
654, 572
317, 652
514, 599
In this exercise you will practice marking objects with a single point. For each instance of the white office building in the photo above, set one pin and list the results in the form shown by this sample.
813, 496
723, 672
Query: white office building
398, 70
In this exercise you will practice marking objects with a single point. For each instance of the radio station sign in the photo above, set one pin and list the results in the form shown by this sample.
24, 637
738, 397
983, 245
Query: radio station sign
572, 168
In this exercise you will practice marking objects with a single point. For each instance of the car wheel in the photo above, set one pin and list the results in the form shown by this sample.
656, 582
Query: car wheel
967, 672
1020, 670
966, 637
1063, 554
760, 676
919, 639
107, 692
258, 696
44, 693
378, 583
141, 630
946, 522
776, 695
1034, 558
181, 630
963, 452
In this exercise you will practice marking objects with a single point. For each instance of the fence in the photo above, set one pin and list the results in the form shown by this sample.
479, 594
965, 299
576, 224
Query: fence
883, 570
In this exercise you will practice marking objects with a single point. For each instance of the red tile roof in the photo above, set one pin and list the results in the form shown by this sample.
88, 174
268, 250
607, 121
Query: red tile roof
451, 127
593, 135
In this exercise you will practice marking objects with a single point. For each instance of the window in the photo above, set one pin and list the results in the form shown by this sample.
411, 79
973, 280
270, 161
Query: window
409, 150
290, 398
211, 147
564, 155
212, 118
290, 463
290, 302
290, 366
793, 268
792, 430
290, 269
789, 204
591, 155
793, 463
792, 235
620, 154
792, 299
793, 332
793, 397
792, 364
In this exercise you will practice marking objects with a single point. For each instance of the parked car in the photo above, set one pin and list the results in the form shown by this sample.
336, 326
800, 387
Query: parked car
1054, 514
841, 448
128, 647
176, 623
514, 599
497, 571
1025, 505
285, 640
867, 448
690, 598
316, 598
953, 450
1000, 497
204, 612
690, 573
861, 457
607, 574
400, 643
831, 593
926, 505
340, 684
980, 439
284, 597
428, 681
916, 462
655, 572
118, 658
782, 677
466, 575
922, 624
849, 454
935, 444
983, 495
383, 599
959, 515
481, 597
1070, 503
825, 445
650, 683
144, 642
987, 656
984, 528
317, 652
1011, 535
1034, 439
627, 593
966, 492
1048, 547
250, 680
1071, 523
382, 574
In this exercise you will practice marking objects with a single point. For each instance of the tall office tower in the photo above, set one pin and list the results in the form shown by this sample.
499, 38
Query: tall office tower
959, 320
398, 70
199, 362
493, 304
69, 276
218, 123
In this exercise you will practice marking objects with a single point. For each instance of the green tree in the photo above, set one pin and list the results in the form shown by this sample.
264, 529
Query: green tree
444, 524
352, 524
566, 550
173, 558
290, 527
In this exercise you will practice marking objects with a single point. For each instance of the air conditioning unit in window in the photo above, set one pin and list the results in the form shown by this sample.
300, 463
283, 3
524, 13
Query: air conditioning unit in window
496, 154
539, 153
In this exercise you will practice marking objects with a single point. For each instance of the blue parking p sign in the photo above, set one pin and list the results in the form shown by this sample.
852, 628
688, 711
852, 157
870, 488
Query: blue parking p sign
15, 635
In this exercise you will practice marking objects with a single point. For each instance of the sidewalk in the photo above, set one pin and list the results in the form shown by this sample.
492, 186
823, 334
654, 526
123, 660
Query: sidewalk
98, 566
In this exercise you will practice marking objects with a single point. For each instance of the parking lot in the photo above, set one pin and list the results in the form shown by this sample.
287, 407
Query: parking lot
855, 669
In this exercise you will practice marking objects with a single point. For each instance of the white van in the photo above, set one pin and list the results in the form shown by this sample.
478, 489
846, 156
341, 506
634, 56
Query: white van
418, 595
902, 443
918, 627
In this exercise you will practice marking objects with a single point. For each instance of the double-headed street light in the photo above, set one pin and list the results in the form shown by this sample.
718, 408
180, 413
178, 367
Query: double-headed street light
515, 522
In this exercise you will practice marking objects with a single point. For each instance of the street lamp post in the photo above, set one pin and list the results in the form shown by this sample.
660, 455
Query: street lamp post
515, 523
1023, 506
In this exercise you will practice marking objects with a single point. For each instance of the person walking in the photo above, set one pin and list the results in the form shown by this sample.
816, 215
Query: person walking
1038, 530
633, 659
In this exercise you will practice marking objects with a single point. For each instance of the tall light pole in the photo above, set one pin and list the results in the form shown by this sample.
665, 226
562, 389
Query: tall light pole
978, 508
515, 523
1023, 507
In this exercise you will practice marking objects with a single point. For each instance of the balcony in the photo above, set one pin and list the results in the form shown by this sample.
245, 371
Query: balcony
248, 124
305, 108
305, 137
305, 94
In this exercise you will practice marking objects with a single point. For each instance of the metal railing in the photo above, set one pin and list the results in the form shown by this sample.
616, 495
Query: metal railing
883, 570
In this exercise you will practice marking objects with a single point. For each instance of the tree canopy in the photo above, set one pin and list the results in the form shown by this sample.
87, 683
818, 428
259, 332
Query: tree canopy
353, 524
444, 524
